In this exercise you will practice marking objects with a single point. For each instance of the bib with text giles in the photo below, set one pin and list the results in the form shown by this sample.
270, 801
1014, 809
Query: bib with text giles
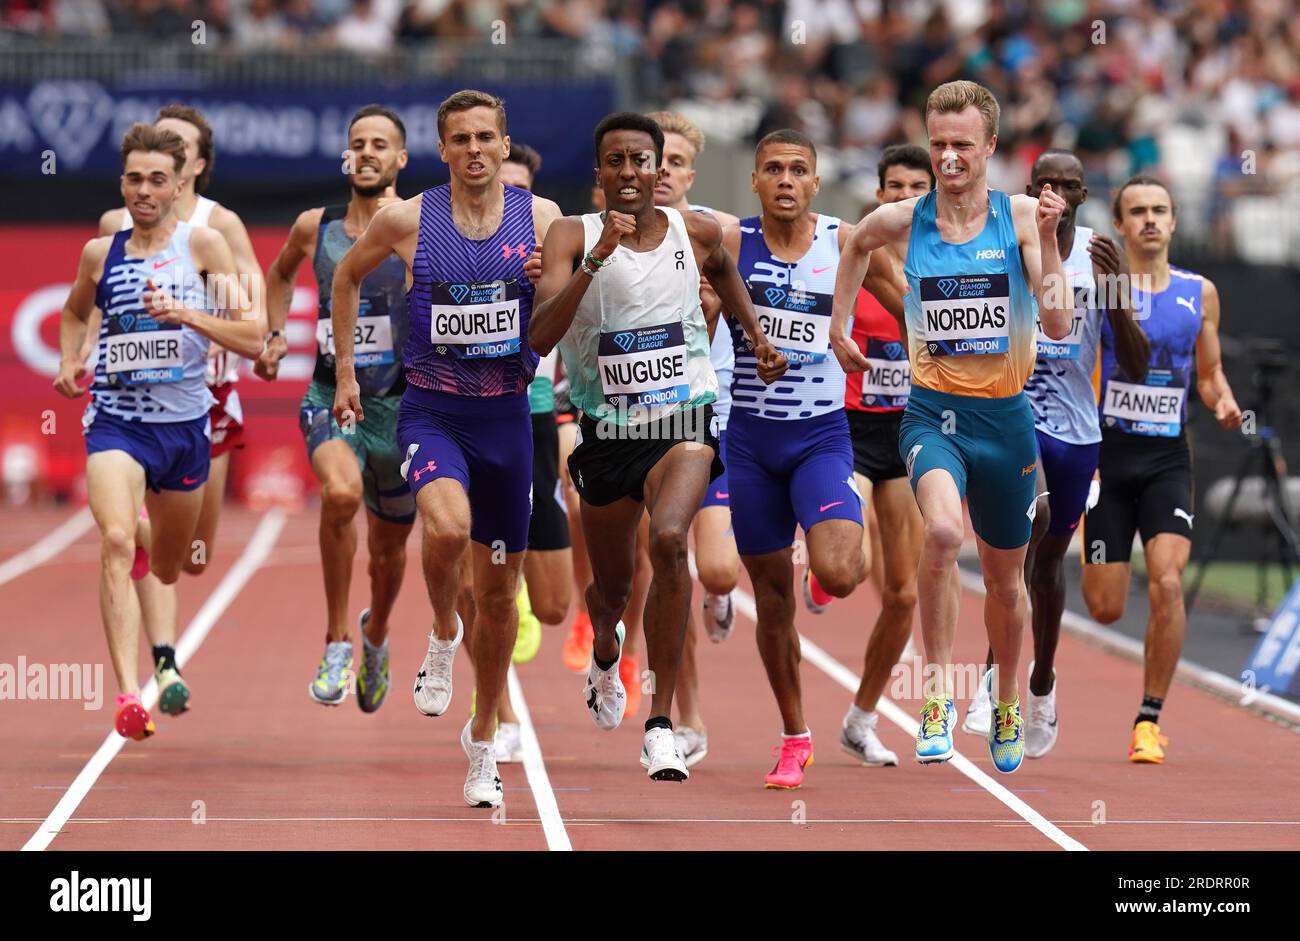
796, 321
966, 314
372, 338
644, 366
1153, 408
887, 380
475, 321
140, 350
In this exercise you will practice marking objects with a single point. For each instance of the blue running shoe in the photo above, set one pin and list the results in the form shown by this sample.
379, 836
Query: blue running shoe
1006, 731
934, 738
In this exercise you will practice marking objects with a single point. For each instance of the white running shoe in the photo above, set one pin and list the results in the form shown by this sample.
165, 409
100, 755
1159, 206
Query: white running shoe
508, 744
860, 740
691, 745
604, 693
659, 756
433, 682
1040, 721
482, 786
719, 616
980, 714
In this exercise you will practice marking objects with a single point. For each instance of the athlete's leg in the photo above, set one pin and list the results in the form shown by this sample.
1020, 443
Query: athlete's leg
115, 490
157, 601
1166, 558
335, 466
634, 616
205, 533
1004, 611
549, 576
772, 575
717, 564
496, 619
835, 555
443, 507
688, 680
581, 562
386, 543
865, 488
942, 531
172, 515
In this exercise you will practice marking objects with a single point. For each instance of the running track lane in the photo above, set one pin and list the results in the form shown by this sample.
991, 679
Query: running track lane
274, 768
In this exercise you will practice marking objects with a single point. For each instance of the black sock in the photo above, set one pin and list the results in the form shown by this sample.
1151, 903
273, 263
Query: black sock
605, 665
658, 722
1150, 711
164, 656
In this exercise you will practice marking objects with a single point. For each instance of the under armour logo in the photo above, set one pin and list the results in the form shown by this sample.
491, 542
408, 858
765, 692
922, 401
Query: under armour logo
1184, 514
521, 250
428, 468
1187, 302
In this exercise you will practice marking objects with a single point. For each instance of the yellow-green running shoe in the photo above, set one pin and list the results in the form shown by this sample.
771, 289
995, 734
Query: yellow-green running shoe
1006, 731
529, 638
372, 681
173, 694
333, 676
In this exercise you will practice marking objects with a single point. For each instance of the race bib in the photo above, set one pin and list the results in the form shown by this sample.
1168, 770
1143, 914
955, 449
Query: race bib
475, 321
797, 322
966, 314
372, 339
887, 381
1154, 408
645, 366
139, 350
1065, 348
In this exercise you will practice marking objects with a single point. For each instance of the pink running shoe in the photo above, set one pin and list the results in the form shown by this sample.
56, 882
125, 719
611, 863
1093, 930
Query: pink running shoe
132, 719
795, 754
140, 568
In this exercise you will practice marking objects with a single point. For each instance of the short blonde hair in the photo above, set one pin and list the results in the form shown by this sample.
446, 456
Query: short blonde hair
674, 122
952, 97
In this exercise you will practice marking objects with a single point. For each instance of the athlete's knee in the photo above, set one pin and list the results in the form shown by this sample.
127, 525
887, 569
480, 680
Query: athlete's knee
612, 597
899, 599
1105, 607
445, 536
495, 604
841, 574
117, 546
387, 560
668, 547
1167, 589
943, 537
550, 609
1004, 590
718, 577
341, 501
168, 571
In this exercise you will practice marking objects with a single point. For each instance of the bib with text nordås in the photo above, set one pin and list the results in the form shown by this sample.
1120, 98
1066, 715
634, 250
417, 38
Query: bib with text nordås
1153, 408
887, 380
644, 366
966, 314
475, 321
796, 321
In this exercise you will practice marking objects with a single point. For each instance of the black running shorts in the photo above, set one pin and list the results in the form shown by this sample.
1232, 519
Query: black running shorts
1146, 487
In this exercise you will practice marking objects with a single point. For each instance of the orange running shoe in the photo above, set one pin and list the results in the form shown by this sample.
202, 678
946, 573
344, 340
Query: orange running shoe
577, 646
132, 720
629, 671
1146, 744
794, 754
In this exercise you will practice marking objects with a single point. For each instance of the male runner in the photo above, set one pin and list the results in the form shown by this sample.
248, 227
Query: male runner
1146, 462
361, 463
620, 294
1061, 394
717, 564
874, 401
972, 256
789, 457
464, 424
147, 425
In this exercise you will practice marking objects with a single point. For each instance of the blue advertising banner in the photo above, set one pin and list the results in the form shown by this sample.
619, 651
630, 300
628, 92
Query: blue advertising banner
268, 134
1275, 662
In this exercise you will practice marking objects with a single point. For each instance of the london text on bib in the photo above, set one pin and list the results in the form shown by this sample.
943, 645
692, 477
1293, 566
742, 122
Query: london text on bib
966, 313
644, 366
475, 321
1154, 408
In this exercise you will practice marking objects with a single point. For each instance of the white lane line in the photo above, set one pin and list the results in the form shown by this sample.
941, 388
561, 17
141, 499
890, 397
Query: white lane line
255, 553
49, 545
557, 838
785, 821
849, 680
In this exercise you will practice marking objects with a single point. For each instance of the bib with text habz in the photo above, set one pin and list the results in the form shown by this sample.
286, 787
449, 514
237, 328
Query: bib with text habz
372, 339
475, 320
644, 366
966, 314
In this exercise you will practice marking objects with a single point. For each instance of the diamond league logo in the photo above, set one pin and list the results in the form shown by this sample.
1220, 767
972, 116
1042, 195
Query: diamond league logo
774, 296
947, 286
127, 321
458, 292
624, 340
71, 116
894, 350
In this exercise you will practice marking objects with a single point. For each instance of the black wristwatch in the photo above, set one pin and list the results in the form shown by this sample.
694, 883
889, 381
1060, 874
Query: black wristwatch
270, 336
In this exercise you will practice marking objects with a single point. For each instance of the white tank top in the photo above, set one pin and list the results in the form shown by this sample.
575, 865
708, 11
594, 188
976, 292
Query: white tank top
221, 362
638, 348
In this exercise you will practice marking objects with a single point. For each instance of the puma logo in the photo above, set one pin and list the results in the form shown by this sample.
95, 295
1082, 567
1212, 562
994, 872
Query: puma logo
1183, 513
1187, 302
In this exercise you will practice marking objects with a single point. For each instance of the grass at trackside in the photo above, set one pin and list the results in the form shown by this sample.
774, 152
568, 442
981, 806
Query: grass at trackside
1234, 581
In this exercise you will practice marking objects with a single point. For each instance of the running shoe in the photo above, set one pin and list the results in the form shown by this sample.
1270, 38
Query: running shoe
576, 653
793, 755
132, 719
528, 640
719, 616
433, 683
173, 694
814, 599
1040, 722
1147, 744
691, 745
140, 567
860, 740
934, 737
660, 758
606, 699
482, 785
508, 744
629, 672
1007, 732
979, 715
334, 674
372, 681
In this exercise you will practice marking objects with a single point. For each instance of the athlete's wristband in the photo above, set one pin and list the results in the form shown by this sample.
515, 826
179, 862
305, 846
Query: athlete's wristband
587, 267
594, 261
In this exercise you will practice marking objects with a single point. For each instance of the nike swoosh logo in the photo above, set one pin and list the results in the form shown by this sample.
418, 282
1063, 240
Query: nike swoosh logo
829, 505
162, 264
820, 270
188, 482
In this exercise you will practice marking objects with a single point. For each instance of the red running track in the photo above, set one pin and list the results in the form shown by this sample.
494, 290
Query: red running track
274, 770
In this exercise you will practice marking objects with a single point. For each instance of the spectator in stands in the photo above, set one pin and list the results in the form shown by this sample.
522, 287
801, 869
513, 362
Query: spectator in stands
260, 26
363, 30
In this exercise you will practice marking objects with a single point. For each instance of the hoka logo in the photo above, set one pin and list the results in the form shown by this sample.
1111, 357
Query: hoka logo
774, 296
521, 250
987, 253
894, 350
947, 286
458, 292
624, 340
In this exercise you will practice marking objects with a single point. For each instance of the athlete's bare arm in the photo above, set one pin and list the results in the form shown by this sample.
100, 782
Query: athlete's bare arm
885, 225
709, 300
544, 213
234, 324
76, 312
110, 223
1211, 383
716, 258
884, 278
1111, 274
394, 229
1036, 220
280, 278
232, 230
563, 282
